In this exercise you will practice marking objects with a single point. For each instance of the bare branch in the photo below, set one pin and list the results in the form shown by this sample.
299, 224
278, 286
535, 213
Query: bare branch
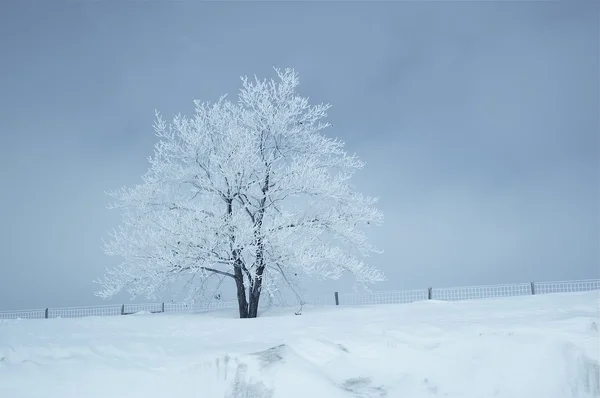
216, 271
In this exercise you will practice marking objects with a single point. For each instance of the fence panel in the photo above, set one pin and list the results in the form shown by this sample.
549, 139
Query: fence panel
211, 305
143, 307
567, 286
178, 308
214, 305
23, 314
393, 297
81, 312
480, 292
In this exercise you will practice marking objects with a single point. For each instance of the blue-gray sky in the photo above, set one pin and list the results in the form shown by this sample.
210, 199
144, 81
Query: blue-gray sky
478, 122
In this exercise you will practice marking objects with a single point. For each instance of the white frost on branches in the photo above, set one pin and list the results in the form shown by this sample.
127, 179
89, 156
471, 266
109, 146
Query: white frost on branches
252, 187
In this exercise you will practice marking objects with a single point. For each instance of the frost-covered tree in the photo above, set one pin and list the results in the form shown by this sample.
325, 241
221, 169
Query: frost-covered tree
251, 190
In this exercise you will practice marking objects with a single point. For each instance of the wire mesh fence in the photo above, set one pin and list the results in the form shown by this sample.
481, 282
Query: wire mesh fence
23, 314
479, 292
389, 297
567, 286
81, 312
212, 305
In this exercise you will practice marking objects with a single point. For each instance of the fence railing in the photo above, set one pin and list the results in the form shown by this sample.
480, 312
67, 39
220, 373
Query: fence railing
382, 297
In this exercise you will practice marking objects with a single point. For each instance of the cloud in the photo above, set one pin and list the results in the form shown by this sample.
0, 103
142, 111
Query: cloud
478, 122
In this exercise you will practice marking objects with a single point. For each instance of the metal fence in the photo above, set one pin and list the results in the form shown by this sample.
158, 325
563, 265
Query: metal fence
389, 297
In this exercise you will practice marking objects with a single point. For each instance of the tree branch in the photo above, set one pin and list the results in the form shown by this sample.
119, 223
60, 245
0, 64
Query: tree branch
216, 271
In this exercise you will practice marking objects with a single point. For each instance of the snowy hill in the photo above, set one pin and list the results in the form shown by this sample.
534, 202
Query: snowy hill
534, 346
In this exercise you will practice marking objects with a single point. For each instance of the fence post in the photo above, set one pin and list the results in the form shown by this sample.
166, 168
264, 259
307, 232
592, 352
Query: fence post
429, 293
123, 309
162, 307
337, 298
46, 313
532, 287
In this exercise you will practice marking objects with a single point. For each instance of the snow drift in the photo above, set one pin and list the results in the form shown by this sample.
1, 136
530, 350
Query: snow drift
539, 346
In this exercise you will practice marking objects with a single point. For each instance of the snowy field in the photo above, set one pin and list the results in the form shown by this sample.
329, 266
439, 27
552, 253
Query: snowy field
536, 346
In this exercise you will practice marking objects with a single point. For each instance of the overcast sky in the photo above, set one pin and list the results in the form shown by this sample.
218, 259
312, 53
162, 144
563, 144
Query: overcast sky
478, 122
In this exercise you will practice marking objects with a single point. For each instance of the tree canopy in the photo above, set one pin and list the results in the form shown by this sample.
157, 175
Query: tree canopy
252, 190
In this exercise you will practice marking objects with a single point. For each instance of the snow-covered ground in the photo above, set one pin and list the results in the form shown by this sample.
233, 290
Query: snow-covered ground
538, 346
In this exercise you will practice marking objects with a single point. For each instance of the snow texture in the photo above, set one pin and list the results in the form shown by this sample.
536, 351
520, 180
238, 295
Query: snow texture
537, 346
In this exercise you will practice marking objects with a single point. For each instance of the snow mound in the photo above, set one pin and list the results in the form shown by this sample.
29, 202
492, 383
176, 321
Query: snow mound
539, 346
142, 313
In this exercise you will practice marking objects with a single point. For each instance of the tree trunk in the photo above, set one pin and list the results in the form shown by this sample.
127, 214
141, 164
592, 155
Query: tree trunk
253, 306
255, 294
237, 269
241, 293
